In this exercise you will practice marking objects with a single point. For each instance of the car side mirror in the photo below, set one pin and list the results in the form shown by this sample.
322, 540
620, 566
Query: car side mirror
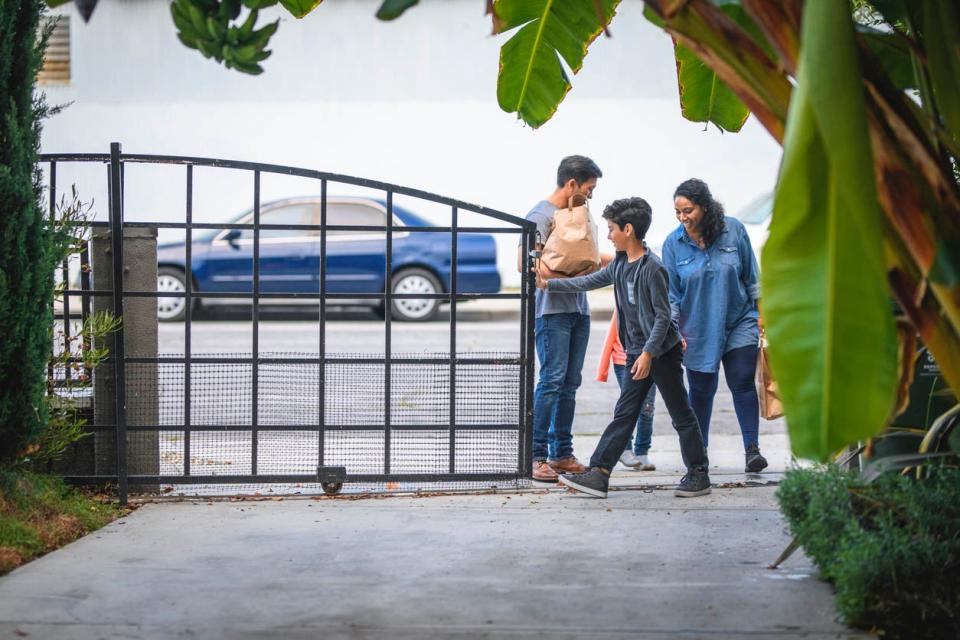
232, 236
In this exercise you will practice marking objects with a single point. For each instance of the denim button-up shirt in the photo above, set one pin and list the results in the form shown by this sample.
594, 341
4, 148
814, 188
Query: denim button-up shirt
713, 294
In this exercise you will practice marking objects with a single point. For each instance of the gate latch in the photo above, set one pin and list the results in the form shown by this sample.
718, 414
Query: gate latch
332, 474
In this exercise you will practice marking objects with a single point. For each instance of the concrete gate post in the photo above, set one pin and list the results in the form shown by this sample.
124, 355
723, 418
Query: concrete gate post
140, 340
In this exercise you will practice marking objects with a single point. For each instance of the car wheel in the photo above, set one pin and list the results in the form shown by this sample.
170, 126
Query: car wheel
415, 281
173, 280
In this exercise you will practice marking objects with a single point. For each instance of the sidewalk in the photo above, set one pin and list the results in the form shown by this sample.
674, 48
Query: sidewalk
535, 564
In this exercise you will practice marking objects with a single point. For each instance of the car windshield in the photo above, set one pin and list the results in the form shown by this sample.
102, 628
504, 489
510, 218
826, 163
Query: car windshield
757, 211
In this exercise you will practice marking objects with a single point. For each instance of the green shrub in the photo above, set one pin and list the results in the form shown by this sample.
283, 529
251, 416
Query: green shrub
25, 269
891, 548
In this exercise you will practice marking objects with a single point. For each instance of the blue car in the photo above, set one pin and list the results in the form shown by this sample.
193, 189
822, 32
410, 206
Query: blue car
222, 259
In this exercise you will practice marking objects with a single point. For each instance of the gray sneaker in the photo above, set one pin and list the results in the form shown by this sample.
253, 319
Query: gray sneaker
695, 483
593, 482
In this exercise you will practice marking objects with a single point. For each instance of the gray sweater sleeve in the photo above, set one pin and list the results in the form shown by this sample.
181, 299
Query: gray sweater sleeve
591, 281
657, 283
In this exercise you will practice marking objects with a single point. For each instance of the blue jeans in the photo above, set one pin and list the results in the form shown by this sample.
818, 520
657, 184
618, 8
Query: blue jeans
641, 445
739, 368
561, 346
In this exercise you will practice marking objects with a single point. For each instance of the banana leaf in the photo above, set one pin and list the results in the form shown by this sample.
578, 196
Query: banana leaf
893, 55
899, 463
830, 326
734, 46
300, 8
532, 81
393, 9
941, 30
704, 97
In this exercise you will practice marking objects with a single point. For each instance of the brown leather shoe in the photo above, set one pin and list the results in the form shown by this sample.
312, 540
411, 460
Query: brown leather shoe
543, 473
567, 465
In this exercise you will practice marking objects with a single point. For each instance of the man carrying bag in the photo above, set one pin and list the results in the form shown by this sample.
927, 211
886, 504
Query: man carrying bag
562, 327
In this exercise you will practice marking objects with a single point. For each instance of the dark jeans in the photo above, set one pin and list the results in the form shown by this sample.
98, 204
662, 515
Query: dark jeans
739, 368
561, 346
641, 445
666, 372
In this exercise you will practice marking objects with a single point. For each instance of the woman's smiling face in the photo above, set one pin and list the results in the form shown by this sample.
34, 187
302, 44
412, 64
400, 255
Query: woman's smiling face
689, 214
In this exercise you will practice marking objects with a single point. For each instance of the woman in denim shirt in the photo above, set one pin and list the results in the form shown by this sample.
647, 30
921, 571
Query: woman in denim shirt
714, 289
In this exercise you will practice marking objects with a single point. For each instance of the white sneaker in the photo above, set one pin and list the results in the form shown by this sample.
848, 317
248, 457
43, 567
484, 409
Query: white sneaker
628, 459
644, 464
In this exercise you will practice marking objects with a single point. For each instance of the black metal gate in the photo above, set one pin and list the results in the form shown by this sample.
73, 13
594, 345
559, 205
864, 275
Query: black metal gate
297, 422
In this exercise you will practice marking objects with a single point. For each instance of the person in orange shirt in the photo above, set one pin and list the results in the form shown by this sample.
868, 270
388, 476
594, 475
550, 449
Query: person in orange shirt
638, 458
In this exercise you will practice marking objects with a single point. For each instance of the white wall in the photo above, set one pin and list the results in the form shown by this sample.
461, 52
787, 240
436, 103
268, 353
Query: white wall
411, 102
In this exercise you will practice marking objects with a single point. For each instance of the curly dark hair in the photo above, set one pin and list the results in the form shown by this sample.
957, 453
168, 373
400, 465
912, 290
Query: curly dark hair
633, 211
697, 192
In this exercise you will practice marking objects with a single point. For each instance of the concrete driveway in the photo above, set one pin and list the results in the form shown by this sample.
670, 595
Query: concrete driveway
544, 564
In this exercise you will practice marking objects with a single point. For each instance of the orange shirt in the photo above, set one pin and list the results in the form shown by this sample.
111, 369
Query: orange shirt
612, 350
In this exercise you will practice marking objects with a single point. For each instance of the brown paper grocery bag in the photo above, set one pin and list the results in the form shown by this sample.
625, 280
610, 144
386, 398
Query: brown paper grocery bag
572, 248
770, 406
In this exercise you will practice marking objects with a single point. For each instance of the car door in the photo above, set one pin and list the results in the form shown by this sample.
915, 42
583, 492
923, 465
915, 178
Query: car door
356, 260
285, 255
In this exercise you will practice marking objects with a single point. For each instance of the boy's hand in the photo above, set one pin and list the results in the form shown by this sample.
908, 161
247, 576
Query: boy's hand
683, 344
641, 367
541, 283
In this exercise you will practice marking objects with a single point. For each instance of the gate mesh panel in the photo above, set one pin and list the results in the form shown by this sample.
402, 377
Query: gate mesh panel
287, 441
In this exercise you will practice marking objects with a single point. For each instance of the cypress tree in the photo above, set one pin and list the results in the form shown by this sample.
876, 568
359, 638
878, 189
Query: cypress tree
25, 273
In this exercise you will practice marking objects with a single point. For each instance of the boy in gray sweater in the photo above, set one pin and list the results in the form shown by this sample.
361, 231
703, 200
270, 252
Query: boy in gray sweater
653, 346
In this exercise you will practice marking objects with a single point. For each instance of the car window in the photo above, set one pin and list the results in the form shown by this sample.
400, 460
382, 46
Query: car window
757, 211
354, 213
302, 213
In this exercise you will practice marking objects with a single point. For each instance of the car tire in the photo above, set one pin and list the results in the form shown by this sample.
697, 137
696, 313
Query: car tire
415, 281
172, 309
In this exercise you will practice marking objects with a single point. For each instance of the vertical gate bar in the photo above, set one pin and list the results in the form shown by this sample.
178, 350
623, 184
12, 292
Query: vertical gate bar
85, 305
119, 357
523, 343
529, 291
388, 352
65, 308
53, 218
187, 325
65, 302
322, 400
255, 361
453, 340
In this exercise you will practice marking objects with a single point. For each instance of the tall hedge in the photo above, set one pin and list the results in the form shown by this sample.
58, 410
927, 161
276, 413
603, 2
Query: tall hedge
25, 274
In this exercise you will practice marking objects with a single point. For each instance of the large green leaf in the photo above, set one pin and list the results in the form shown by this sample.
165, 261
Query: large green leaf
941, 30
829, 322
893, 55
300, 8
703, 96
393, 9
532, 80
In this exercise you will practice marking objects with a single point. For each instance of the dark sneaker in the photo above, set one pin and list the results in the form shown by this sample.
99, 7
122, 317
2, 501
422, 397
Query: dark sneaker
695, 483
755, 462
567, 465
593, 482
543, 474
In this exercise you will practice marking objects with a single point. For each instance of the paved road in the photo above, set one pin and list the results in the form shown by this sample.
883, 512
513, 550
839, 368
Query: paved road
360, 332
